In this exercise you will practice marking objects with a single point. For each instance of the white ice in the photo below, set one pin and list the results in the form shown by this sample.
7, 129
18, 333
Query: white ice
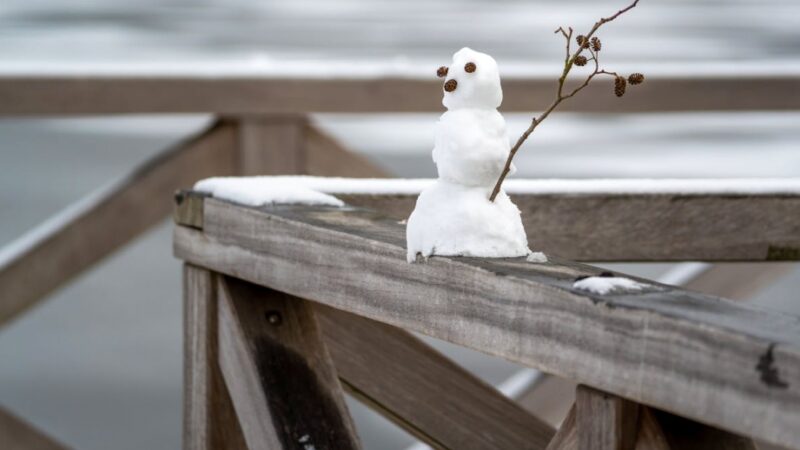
604, 285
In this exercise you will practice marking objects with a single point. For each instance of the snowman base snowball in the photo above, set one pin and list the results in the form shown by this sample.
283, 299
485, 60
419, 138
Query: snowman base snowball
453, 220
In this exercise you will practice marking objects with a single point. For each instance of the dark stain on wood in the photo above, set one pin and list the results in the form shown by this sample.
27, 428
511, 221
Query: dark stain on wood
304, 415
777, 253
769, 372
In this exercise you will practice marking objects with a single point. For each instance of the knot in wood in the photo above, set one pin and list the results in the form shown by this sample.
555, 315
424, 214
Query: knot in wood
274, 318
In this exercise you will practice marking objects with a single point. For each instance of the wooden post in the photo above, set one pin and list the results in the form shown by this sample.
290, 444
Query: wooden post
605, 421
281, 378
272, 145
209, 421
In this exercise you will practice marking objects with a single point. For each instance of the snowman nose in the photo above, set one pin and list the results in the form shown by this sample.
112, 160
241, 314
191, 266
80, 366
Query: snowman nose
450, 85
441, 72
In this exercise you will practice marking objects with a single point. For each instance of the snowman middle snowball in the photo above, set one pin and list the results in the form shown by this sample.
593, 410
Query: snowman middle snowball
454, 216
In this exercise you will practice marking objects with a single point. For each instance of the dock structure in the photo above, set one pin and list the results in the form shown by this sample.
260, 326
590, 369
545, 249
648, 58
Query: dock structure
328, 293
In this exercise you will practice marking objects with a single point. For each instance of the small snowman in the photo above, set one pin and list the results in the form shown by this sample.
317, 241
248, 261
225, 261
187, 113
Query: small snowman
454, 216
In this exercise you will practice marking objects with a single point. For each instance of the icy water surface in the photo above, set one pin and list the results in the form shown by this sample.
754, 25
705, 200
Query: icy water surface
99, 364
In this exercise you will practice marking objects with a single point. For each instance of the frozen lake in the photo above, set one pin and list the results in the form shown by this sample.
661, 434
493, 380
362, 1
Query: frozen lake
99, 364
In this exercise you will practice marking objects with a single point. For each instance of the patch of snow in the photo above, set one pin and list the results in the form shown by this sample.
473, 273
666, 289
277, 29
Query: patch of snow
536, 257
603, 285
413, 186
260, 191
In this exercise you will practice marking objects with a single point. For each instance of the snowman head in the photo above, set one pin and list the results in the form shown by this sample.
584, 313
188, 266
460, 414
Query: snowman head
471, 81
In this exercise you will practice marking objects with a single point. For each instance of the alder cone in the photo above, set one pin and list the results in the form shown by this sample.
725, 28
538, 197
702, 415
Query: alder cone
636, 78
619, 86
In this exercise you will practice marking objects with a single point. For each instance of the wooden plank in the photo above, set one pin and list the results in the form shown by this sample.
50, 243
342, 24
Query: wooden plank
327, 157
566, 437
209, 421
189, 209
97, 93
284, 388
271, 145
17, 434
738, 281
646, 227
702, 357
605, 421
551, 397
421, 390
48, 256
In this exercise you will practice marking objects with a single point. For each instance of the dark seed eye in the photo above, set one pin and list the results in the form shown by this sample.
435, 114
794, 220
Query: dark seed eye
441, 72
450, 85
470, 67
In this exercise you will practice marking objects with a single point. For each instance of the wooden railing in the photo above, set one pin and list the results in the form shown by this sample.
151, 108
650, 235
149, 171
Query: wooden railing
263, 127
264, 278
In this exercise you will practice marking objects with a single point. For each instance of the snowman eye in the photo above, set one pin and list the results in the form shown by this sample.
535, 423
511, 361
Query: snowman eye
470, 67
441, 72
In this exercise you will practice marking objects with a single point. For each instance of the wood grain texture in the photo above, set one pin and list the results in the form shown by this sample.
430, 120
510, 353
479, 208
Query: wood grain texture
605, 421
739, 281
17, 434
646, 227
284, 388
423, 391
189, 208
702, 357
566, 437
325, 156
64, 94
209, 421
99, 225
271, 145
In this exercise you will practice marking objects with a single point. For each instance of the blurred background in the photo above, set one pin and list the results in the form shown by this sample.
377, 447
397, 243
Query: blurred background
99, 365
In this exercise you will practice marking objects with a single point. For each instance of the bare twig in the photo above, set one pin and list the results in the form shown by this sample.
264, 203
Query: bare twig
569, 61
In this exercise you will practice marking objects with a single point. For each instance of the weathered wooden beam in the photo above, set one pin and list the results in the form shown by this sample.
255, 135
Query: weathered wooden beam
327, 157
421, 390
270, 145
645, 227
17, 434
97, 93
705, 358
738, 281
605, 421
566, 437
209, 420
58, 250
281, 379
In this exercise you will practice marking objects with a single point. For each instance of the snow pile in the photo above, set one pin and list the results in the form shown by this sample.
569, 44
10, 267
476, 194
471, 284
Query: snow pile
260, 191
606, 283
536, 257
454, 216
